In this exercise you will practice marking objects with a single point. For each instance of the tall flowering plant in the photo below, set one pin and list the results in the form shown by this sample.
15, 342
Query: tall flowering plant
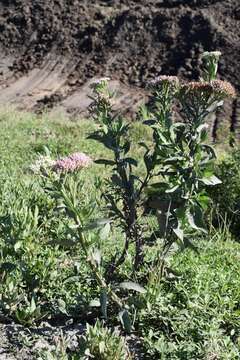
178, 167
62, 181
183, 160
124, 189
178, 162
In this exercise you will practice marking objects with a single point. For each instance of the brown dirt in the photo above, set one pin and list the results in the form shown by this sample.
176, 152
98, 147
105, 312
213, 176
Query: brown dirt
51, 49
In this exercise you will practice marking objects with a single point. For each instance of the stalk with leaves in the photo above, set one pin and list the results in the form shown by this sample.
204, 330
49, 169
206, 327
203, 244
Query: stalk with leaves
124, 188
178, 158
62, 182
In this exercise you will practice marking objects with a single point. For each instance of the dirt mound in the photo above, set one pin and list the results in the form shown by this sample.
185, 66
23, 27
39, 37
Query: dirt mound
51, 48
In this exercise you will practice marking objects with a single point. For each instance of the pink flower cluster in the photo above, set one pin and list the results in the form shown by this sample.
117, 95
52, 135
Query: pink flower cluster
71, 163
160, 80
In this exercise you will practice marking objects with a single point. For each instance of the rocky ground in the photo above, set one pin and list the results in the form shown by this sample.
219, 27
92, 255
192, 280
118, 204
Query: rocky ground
20, 343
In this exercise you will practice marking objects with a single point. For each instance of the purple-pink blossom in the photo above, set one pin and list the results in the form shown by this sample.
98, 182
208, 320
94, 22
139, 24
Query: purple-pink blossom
73, 162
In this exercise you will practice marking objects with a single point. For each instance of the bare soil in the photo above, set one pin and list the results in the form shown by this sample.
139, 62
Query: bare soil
52, 49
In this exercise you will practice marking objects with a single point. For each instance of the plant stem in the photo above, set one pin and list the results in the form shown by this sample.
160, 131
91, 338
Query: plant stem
101, 281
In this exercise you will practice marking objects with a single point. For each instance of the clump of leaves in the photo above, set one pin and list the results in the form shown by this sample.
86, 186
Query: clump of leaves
101, 343
59, 350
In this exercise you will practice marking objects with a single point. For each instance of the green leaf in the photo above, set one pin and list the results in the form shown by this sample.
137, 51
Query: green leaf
126, 147
65, 243
96, 224
203, 200
149, 122
32, 305
148, 161
212, 180
117, 180
103, 302
126, 321
142, 144
174, 159
173, 189
175, 128
129, 285
62, 306
8, 267
210, 151
179, 232
105, 162
194, 216
131, 161
46, 151
104, 232
72, 279
157, 188
202, 132
17, 245
95, 303
102, 347
96, 256
102, 138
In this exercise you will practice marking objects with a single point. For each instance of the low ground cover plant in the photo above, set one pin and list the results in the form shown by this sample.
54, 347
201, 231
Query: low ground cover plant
96, 235
226, 197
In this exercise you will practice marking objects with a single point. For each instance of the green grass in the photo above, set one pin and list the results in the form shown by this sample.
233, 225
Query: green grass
194, 315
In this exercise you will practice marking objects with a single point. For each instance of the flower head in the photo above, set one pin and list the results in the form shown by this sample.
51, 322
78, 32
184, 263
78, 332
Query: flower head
211, 54
101, 81
223, 88
197, 87
72, 163
43, 163
164, 79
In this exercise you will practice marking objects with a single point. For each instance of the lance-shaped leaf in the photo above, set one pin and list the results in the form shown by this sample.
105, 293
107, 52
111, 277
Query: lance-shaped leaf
104, 232
148, 161
33, 305
210, 151
62, 306
149, 122
131, 161
65, 243
173, 189
117, 180
126, 147
175, 128
202, 132
130, 285
212, 180
103, 302
96, 224
105, 162
179, 232
102, 138
194, 216
96, 256
126, 321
